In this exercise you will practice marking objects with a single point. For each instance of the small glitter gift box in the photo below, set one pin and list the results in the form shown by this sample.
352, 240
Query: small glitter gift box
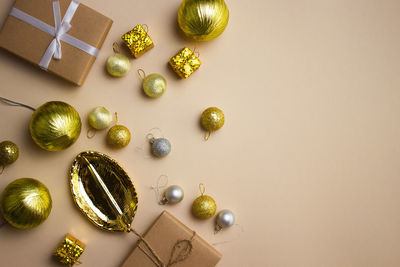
185, 63
69, 250
138, 41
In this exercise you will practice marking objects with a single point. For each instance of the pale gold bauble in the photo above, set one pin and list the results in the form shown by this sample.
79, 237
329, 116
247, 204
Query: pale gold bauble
100, 118
203, 20
55, 126
118, 65
154, 85
25, 203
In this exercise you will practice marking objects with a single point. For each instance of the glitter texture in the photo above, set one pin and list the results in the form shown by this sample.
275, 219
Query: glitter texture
138, 41
69, 250
185, 63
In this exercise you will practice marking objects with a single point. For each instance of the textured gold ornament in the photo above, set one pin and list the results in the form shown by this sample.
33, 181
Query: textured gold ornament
212, 119
69, 251
138, 41
203, 20
118, 136
103, 191
25, 203
184, 63
118, 65
8, 153
55, 126
154, 85
100, 118
204, 207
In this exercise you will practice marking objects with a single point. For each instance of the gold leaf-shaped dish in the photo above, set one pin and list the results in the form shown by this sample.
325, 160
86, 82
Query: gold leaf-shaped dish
103, 191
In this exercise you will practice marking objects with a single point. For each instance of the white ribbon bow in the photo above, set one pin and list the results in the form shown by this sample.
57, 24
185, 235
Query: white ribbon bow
59, 32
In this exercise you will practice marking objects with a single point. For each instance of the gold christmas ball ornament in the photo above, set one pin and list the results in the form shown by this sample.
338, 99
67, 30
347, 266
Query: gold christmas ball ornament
203, 20
100, 118
8, 153
55, 126
25, 203
118, 65
154, 85
118, 136
204, 207
212, 119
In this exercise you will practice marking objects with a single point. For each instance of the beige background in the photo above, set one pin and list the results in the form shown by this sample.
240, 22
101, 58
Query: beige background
308, 158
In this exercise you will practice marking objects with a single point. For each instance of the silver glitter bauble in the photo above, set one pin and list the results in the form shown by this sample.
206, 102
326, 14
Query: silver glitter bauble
172, 195
225, 219
160, 147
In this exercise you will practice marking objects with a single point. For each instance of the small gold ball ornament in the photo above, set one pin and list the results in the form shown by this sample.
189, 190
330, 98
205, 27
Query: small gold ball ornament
204, 207
25, 203
55, 126
118, 136
203, 20
212, 119
9, 153
118, 65
154, 85
100, 118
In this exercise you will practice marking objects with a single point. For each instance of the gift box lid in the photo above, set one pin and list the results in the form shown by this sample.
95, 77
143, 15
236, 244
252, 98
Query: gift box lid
30, 43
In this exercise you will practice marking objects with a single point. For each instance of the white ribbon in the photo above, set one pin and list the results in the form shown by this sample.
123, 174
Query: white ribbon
59, 32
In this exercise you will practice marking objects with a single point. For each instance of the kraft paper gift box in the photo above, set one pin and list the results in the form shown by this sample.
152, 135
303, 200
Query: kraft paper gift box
88, 30
162, 236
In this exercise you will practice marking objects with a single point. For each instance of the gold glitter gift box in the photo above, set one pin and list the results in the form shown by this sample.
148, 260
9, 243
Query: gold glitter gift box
138, 41
185, 63
69, 251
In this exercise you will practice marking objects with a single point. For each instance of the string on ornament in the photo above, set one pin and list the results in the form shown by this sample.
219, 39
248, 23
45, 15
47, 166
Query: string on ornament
162, 182
233, 239
172, 195
14, 103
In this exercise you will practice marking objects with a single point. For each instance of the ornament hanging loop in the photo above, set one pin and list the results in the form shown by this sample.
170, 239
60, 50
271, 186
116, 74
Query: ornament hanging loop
207, 135
146, 28
90, 133
116, 118
162, 182
202, 189
116, 47
141, 73
195, 52
13, 103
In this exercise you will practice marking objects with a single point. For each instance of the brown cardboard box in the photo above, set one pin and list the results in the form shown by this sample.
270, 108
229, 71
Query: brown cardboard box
162, 236
30, 43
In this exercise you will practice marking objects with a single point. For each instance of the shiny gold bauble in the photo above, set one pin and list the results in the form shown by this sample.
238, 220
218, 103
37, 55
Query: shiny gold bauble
118, 136
204, 207
55, 126
8, 153
212, 119
25, 203
203, 20
154, 85
118, 65
100, 118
